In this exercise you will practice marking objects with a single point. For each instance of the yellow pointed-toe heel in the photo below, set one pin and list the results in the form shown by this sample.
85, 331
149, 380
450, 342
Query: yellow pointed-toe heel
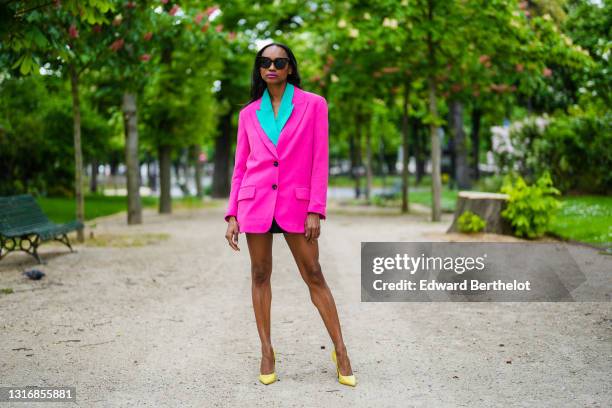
269, 378
343, 379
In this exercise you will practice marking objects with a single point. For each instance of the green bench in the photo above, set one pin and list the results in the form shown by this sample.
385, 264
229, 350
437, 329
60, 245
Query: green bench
24, 226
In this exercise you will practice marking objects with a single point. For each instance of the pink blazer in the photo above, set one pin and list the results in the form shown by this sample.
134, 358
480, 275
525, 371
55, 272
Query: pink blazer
286, 181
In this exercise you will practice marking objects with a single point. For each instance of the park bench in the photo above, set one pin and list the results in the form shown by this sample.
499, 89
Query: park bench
24, 226
392, 191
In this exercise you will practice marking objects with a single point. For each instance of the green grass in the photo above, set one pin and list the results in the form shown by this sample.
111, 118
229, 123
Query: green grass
581, 218
60, 209
346, 181
585, 218
377, 181
422, 195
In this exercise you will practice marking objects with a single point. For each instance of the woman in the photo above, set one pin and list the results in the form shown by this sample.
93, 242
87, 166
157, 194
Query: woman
279, 185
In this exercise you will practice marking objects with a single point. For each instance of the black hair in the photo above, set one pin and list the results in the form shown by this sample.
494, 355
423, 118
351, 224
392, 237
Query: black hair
258, 85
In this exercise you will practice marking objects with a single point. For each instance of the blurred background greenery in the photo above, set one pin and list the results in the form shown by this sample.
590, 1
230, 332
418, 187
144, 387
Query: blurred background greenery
125, 104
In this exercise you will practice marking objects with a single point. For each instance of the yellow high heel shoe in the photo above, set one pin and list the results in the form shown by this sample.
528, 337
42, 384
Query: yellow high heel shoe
269, 378
343, 379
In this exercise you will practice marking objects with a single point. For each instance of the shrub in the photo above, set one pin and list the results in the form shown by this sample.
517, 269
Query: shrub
530, 209
512, 145
574, 147
492, 183
469, 222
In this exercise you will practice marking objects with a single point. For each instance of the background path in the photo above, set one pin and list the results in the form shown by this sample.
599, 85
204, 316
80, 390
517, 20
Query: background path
171, 324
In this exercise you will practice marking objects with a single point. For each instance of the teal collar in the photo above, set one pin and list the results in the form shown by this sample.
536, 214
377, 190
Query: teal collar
270, 124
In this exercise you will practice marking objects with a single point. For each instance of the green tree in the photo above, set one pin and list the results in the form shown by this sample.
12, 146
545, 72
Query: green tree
179, 104
39, 33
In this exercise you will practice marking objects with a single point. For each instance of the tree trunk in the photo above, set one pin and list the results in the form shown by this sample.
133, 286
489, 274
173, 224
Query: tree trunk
450, 149
487, 206
93, 181
476, 116
405, 153
436, 184
139, 173
165, 176
381, 160
78, 153
221, 181
151, 173
182, 171
462, 169
134, 212
368, 130
419, 149
357, 151
353, 154
197, 150
114, 167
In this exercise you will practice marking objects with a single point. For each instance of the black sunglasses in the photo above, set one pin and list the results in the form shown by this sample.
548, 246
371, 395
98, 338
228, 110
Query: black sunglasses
279, 63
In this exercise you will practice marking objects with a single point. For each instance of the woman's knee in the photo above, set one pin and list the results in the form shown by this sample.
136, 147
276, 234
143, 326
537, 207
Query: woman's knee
261, 271
314, 275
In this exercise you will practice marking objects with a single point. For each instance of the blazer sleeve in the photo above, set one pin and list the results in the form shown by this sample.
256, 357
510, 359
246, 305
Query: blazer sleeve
242, 153
320, 165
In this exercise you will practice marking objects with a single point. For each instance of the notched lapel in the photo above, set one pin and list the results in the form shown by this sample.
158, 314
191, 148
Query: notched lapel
297, 113
294, 120
262, 134
265, 118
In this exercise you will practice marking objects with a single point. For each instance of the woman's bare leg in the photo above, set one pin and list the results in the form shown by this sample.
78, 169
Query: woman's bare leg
260, 250
306, 257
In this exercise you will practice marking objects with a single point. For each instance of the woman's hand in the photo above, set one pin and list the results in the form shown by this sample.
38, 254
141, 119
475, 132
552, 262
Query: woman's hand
312, 227
232, 233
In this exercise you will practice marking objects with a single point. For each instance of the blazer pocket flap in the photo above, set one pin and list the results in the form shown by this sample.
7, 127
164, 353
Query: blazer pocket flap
302, 193
246, 192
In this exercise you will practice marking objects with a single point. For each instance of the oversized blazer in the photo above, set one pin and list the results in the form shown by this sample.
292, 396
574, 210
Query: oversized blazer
287, 180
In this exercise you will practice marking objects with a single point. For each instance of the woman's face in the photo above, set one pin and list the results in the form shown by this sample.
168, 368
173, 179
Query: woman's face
272, 75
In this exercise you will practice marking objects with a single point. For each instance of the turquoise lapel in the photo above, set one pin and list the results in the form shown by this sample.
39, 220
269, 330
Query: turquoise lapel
265, 114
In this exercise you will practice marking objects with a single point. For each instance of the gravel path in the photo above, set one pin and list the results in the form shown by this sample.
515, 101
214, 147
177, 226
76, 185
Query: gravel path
170, 324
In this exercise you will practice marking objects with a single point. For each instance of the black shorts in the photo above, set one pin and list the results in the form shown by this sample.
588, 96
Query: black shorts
275, 228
